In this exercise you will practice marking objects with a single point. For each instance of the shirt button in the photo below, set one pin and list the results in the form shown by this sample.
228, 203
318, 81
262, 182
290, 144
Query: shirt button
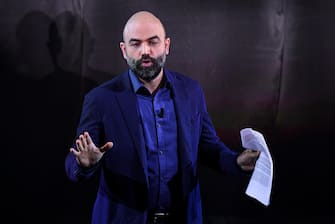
161, 152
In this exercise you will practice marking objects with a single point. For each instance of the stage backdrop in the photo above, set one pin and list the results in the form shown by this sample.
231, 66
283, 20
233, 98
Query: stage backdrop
268, 65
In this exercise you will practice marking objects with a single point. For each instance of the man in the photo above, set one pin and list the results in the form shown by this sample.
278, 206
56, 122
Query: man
145, 132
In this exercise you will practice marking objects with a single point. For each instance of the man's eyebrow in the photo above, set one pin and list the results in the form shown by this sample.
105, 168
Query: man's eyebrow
138, 40
134, 40
154, 37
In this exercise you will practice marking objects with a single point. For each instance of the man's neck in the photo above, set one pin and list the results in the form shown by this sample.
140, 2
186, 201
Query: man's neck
154, 84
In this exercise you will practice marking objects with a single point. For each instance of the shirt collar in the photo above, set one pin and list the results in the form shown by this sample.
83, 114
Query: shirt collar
137, 84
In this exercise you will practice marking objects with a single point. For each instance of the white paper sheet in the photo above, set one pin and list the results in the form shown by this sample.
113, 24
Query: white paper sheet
260, 184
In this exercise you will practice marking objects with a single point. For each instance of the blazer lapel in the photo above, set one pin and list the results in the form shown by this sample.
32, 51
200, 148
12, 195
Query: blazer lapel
183, 107
127, 101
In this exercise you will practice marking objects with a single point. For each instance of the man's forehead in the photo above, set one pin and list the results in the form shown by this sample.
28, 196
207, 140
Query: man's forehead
143, 33
143, 28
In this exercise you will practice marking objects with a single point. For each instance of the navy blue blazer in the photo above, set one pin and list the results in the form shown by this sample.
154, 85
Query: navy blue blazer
110, 113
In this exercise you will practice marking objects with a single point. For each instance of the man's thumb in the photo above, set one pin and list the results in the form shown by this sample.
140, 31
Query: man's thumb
106, 147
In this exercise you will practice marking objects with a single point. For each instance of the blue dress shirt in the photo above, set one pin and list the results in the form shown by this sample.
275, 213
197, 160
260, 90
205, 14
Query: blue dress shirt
158, 120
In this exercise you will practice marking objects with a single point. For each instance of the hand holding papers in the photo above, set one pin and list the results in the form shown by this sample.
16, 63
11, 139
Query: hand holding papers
260, 183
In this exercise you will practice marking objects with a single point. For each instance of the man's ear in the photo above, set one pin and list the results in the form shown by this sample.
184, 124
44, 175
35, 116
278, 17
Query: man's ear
123, 50
167, 43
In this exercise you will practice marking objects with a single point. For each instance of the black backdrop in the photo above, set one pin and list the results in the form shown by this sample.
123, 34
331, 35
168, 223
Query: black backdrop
263, 64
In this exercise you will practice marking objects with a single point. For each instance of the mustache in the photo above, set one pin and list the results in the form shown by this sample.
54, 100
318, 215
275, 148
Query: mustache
146, 58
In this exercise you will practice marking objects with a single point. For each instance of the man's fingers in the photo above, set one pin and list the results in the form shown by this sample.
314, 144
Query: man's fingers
88, 138
83, 141
255, 153
79, 145
74, 151
253, 156
106, 146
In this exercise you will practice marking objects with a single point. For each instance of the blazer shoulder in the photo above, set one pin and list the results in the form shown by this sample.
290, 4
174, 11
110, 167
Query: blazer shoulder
184, 79
187, 83
117, 84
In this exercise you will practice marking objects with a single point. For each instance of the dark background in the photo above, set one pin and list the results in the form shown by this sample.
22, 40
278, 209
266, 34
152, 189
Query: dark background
265, 64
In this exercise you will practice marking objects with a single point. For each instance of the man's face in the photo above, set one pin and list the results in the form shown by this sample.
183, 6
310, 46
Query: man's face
147, 68
145, 48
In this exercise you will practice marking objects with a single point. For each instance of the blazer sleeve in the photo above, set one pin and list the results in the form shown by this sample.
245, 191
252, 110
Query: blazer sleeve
212, 151
90, 121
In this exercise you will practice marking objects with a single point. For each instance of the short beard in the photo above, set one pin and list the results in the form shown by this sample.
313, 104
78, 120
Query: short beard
147, 73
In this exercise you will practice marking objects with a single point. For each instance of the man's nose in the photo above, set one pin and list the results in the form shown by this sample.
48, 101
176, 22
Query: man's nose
145, 49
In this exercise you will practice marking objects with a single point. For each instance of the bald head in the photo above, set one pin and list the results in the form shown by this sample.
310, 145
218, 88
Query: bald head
141, 23
145, 46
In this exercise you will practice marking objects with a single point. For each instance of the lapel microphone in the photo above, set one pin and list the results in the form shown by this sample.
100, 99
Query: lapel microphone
161, 113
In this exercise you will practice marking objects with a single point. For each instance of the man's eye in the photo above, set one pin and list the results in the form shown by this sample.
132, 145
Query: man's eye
135, 44
153, 43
